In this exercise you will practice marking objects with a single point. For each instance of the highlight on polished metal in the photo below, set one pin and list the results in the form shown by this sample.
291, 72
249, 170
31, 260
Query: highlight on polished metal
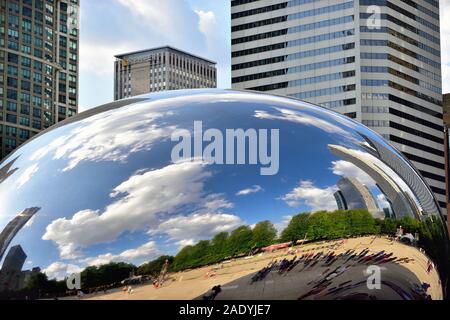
217, 194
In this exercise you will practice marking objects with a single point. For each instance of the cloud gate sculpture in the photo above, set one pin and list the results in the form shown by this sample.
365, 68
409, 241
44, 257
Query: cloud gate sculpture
217, 194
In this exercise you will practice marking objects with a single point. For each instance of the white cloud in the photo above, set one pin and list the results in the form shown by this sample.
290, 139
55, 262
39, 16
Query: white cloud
254, 189
26, 175
207, 21
348, 169
60, 271
280, 226
313, 197
146, 252
143, 198
302, 118
109, 136
98, 58
30, 222
198, 226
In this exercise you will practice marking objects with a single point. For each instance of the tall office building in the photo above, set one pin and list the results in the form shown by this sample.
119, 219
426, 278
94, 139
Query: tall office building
13, 227
38, 67
377, 61
158, 69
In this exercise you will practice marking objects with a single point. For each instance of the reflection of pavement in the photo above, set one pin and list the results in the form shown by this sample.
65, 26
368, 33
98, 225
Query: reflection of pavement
236, 276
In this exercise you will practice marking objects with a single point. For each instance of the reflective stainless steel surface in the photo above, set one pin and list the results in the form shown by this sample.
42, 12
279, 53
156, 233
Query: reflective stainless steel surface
312, 206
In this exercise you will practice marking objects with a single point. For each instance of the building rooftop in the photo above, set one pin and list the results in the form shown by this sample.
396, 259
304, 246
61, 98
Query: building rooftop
121, 56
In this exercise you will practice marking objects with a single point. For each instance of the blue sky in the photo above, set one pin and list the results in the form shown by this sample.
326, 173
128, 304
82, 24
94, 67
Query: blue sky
110, 27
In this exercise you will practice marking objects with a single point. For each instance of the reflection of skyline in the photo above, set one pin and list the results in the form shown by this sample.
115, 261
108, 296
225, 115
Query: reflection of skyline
13, 227
401, 204
408, 175
352, 194
6, 171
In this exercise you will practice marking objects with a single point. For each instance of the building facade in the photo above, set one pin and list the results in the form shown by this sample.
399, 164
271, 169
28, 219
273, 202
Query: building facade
159, 69
377, 61
39, 49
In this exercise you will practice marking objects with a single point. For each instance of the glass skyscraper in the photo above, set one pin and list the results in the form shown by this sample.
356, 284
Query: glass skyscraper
39, 46
377, 61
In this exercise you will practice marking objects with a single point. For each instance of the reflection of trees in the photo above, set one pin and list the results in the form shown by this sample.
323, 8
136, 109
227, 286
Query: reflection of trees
238, 243
316, 226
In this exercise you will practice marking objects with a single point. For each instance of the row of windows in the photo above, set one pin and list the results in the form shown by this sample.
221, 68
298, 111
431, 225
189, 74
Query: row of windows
324, 92
375, 123
433, 176
385, 56
374, 109
305, 27
404, 76
415, 132
406, 103
417, 145
394, 85
403, 37
404, 25
414, 106
296, 69
406, 13
428, 162
422, 9
386, 43
298, 55
12, 132
260, 10
305, 81
415, 119
338, 103
293, 16
291, 3
293, 43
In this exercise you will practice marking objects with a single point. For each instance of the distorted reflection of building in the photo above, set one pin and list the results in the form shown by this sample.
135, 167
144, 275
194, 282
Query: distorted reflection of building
408, 174
11, 276
6, 171
402, 204
352, 194
13, 227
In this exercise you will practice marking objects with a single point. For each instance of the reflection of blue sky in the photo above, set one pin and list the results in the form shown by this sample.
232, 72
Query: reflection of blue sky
80, 174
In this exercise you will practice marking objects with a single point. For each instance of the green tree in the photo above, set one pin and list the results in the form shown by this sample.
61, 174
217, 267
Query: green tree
296, 229
240, 241
264, 234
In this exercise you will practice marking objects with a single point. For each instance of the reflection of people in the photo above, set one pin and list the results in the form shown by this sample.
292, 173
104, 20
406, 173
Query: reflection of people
215, 291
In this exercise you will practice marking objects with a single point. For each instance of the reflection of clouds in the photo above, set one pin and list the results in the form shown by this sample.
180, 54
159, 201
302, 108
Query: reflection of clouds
107, 137
146, 252
246, 192
280, 226
347, 169
382, 201
198, 226
312, 196
26, 175
60, 270
302, 118
144, 196
145, 201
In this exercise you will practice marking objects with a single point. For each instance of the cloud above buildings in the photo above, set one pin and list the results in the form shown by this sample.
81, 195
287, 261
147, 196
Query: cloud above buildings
114, 27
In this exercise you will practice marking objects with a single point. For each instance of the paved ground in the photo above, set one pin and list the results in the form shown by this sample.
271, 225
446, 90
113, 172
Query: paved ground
302, 282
